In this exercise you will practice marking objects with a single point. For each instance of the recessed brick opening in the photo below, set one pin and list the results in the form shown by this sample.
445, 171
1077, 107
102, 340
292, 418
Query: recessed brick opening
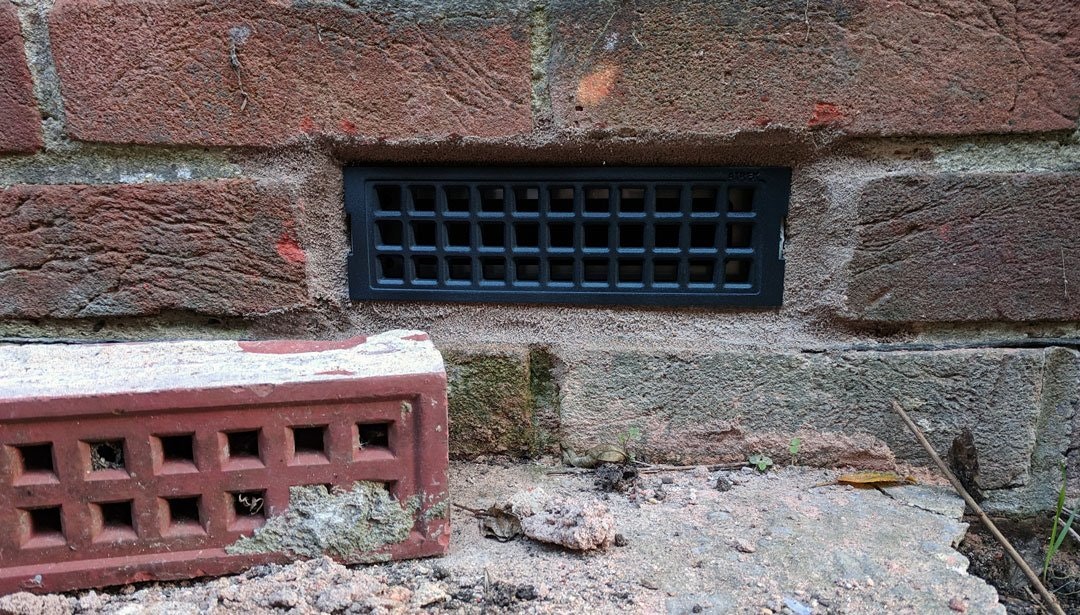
174, 454
243, 444
106, 455
114, 521
183, 515
309, 444
46, 526
248, 510
35, 460
373, 435
249, 503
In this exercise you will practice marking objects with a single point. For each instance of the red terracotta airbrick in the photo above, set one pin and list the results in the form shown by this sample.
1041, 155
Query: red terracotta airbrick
133, 462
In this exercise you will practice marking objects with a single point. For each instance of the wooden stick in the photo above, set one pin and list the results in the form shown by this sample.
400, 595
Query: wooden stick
1050, 599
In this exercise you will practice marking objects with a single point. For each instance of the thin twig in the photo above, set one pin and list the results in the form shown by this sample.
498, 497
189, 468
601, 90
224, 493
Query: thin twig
1052, 603
475, 511
654, 469
1071, 531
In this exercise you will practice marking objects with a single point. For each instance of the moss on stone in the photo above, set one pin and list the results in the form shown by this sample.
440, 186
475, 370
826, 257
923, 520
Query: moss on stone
502, 400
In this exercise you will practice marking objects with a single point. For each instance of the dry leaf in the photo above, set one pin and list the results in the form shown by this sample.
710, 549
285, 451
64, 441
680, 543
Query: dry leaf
499, 523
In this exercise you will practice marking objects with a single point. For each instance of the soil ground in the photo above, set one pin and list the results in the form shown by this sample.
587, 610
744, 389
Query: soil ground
768, 543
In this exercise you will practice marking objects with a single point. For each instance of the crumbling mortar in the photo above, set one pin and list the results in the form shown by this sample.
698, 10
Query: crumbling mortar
539, 57
352, 524
101, 164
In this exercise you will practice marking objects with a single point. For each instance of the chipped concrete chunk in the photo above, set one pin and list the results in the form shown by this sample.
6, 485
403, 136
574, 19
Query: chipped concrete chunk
351, 525
582, 525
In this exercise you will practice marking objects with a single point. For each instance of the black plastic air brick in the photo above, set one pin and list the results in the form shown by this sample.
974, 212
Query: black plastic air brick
653, 236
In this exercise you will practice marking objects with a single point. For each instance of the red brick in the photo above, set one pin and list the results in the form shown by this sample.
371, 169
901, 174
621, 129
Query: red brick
213, 247
168, 73
967, 248
61, 402
873, 67
20, 123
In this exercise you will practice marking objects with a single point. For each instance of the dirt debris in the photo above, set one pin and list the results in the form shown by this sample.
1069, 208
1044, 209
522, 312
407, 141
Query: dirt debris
833, 549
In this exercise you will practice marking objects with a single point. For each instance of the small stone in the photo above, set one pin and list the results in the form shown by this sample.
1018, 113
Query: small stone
427, 594
723, 483
700, 472
649, 583
743, 546
667, 480
283, 599
958, 604
526, 592
620, 540
696, 609
441, 572
398, 594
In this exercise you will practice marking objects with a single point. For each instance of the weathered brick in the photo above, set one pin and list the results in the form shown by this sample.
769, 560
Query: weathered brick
215, 247
873, 67
246, 72
702, 406
20, 124
967, 248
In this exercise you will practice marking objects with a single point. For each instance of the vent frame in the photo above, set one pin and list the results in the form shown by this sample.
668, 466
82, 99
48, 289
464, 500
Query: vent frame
428, 260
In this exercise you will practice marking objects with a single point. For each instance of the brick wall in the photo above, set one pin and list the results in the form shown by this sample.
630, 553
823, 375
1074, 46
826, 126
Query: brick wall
172, 168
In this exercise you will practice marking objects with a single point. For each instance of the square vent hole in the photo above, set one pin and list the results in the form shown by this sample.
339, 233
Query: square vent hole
309, 445
373, 436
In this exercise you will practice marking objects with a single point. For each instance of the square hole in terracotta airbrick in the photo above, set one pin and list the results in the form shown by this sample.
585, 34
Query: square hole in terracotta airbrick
182, 516
45, 527
248, 510
106, 459
35, 464
241, 449
174, 454
113, 521
372, 437
309, 445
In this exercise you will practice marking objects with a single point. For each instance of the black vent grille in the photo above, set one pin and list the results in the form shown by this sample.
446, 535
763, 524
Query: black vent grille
659, 236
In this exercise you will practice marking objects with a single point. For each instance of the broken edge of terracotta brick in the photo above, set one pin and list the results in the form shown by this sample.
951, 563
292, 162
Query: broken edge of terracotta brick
358, 426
